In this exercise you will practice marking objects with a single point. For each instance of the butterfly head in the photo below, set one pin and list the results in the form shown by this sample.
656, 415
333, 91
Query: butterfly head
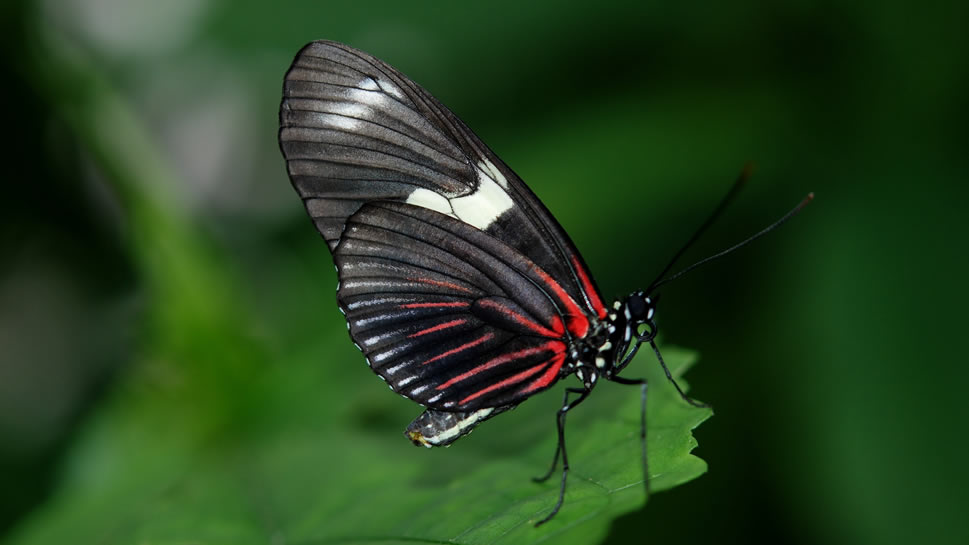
641, 308
633, 323
640, 311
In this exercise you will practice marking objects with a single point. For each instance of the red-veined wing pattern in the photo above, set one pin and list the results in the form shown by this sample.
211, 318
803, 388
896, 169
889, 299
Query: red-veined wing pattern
448, 315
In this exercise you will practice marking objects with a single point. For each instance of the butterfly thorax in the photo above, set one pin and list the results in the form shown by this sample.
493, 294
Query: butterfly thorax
596, 353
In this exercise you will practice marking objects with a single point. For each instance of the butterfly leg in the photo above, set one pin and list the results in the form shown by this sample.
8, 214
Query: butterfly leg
560, 449
558, 446
644, 386
669, 375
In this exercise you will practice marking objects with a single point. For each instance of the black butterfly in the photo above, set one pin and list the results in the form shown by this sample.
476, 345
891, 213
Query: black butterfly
460, 288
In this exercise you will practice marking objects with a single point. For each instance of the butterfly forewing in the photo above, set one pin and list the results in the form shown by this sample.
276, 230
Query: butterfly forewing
355, 131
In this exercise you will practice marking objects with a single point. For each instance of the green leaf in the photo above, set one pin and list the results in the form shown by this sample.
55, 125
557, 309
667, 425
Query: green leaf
209, 439
344, 480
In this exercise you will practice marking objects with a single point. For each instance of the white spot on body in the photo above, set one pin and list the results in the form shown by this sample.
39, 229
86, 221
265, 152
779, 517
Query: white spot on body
418, 390
600, 362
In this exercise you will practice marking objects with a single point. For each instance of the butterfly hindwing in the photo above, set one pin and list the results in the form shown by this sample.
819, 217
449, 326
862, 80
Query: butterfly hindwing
448, 315
354, 131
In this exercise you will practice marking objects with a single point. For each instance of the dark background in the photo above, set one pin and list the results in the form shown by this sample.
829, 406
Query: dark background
833, 351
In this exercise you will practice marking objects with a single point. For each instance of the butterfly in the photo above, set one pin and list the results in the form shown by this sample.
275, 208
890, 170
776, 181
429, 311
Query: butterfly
458, 285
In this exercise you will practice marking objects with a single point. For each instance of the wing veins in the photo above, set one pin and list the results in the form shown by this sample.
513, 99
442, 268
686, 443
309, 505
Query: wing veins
369, 163
462, 159
491, 277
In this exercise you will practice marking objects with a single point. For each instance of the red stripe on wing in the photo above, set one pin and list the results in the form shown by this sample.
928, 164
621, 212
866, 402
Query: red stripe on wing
484, 338
590, 290
514, 379
525, 321
557, 326
438, 327
552, 346
577, 322
550, 376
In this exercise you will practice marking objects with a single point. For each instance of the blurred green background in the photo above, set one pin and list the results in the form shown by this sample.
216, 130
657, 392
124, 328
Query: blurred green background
148, 220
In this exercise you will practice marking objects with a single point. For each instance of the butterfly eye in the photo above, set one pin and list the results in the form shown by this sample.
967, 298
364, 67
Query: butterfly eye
637, 306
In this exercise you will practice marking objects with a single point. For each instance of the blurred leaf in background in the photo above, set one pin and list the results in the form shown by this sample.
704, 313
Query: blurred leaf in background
168, 335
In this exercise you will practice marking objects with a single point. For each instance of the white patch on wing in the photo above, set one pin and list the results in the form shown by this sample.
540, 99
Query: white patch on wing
363, 322
494, 173
370, 302
359, 106
351, 109
425, 198
391, 89
480, 208
339, 121
370, 341
364, 96
394, 369
484, 206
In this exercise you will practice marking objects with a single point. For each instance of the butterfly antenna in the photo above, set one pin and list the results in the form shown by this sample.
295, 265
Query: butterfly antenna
807, 200
734, 189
